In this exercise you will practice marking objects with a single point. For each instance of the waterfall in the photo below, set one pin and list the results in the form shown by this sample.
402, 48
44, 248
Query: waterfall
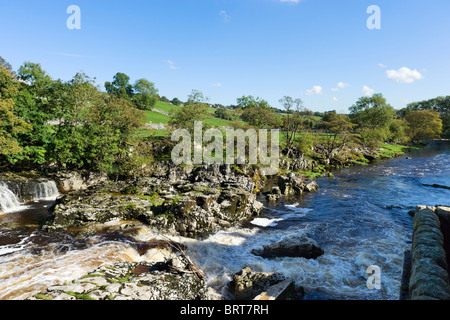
8, 200
43, 190
13, 193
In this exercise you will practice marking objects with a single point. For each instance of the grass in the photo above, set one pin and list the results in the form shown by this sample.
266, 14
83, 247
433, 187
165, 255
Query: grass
164, 106
156, 117
394, 150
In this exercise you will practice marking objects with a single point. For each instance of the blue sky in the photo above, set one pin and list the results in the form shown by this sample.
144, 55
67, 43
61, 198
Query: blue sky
318, 50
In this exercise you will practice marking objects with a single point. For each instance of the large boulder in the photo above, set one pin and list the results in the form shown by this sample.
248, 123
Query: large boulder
69, 181
292, 184
301, 247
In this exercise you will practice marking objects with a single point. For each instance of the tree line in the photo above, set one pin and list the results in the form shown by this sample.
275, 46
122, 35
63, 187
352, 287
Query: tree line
68, 124
75, 125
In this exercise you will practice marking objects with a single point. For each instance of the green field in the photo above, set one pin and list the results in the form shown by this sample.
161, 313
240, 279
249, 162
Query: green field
156, 117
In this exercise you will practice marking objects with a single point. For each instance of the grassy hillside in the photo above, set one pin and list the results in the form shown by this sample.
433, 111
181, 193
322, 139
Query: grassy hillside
156, 117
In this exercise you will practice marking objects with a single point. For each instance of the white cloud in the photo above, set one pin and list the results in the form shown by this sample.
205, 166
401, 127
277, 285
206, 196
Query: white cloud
335, 99
218, 84
291, 1
381, 65
404, 75
340, 85
368, 91
315, 90
65, 54
225, 16
172, 65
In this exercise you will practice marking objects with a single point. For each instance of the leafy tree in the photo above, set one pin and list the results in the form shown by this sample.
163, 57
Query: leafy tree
108, 129
223, 113
423, 125
247, 102
373, 116
34, 105
292, 124
260, 117
72, 101
195, 109
439, 104
5, 64
164, 99
339, 126
397, 131
176, 102
120, 87
145, 94
10, 125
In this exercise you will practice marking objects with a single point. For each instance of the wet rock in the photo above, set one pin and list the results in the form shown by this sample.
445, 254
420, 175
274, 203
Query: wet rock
75, 181
296, 185
248, 284
301, 247
121, 282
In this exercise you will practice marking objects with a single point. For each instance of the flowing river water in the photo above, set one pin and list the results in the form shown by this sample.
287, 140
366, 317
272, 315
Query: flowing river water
359, 218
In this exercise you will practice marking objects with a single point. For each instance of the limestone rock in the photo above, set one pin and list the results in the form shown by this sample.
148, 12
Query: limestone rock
302, 247
248, 284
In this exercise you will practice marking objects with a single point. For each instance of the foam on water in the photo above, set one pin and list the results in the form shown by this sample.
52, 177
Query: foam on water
54, 266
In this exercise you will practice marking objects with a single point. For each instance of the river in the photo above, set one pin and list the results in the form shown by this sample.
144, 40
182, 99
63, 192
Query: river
360, 218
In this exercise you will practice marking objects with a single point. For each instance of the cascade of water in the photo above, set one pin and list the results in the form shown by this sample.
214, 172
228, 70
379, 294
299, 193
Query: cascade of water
12, 194
8, 200
44, 190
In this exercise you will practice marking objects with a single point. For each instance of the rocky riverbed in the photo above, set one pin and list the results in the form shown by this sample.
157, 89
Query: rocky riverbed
192, 202
181, 201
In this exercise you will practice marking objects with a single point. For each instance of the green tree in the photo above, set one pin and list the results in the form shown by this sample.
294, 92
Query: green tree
423, 125
34, 105
10, 125
109, 127
439, 104
164, 99
223, 113
120, 87
145, 94
5, 64
72, 101
176, 102
340, 129
260, 117
247, 102
373, 116
195, 109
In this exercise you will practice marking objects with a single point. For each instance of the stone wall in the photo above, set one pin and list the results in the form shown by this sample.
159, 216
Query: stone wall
426, 276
